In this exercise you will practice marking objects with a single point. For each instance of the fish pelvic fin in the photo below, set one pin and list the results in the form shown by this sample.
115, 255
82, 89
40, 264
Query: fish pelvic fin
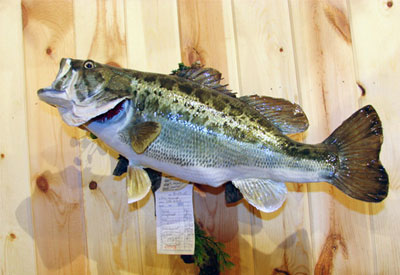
137, 184
359, 172
121, 167
264, 194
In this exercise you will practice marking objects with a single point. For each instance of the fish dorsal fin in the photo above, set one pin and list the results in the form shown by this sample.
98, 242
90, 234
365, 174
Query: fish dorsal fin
137, 185
206, 77
143, 134
288, 117
264, 194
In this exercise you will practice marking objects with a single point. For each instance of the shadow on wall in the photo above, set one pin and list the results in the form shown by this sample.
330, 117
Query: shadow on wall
59, 228
59, 222
291, 256
343, 199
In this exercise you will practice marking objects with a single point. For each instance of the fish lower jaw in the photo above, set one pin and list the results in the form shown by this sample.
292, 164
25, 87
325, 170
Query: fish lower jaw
111, 113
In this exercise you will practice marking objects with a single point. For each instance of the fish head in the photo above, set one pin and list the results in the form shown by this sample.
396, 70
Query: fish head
84, 90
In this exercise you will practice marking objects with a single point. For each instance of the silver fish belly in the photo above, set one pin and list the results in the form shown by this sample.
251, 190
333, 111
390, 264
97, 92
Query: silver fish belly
197, 154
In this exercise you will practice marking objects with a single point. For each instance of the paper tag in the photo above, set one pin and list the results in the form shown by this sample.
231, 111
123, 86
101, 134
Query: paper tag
175, 220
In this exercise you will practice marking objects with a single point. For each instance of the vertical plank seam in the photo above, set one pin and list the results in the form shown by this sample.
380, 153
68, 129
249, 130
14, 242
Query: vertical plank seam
296, 67
239, 91
177, 24
87, 265
138, 235
357, 78
353, 41
238, 70
253, 234
25, 108
229, 27
28, 142
300, 98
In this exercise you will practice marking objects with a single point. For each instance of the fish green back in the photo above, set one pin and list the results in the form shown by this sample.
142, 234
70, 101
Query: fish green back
168, 95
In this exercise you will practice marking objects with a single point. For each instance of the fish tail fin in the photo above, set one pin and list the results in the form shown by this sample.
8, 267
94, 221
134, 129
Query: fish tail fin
359, 173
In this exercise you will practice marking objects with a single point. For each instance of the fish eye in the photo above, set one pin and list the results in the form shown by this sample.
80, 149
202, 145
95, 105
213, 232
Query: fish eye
89, 64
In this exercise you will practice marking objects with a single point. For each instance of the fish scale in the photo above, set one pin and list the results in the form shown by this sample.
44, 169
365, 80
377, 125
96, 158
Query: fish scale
202, 148
180, 127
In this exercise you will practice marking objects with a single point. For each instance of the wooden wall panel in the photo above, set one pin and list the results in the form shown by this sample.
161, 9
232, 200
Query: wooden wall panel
16, 231
115, 246
375, 26
329, 93
331, 56
152, 35
281, 240
153, 45
207, 36
58, 217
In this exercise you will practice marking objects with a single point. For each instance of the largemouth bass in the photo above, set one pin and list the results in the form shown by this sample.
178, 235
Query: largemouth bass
190, 126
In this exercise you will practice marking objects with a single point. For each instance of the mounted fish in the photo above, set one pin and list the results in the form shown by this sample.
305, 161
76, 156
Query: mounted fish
190, 126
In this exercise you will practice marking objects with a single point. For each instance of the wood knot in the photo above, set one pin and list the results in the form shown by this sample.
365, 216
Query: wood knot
2, 155
49, 51
24, 16
361, 88
194, 56
278, 271
42, 183
114, 64
389, 4
281, 50
339, 21
92, 185
332, 245
12, 236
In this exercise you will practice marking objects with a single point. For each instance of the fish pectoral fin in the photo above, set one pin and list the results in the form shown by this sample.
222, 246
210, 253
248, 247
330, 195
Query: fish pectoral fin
143, 134
264, 194
288, 117
138, 184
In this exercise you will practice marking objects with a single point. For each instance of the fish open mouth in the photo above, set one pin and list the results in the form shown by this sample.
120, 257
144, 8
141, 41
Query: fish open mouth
110, 113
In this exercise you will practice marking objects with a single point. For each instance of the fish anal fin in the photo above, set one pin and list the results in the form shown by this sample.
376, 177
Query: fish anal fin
138, 184
143, 134
288, 117
206, 77
264, 194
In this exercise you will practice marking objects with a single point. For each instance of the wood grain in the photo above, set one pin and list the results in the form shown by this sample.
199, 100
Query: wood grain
281, 240
58, 215
374, 28
325, 69
115, 246
152, 35
152, 40
16, 232
202, 35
